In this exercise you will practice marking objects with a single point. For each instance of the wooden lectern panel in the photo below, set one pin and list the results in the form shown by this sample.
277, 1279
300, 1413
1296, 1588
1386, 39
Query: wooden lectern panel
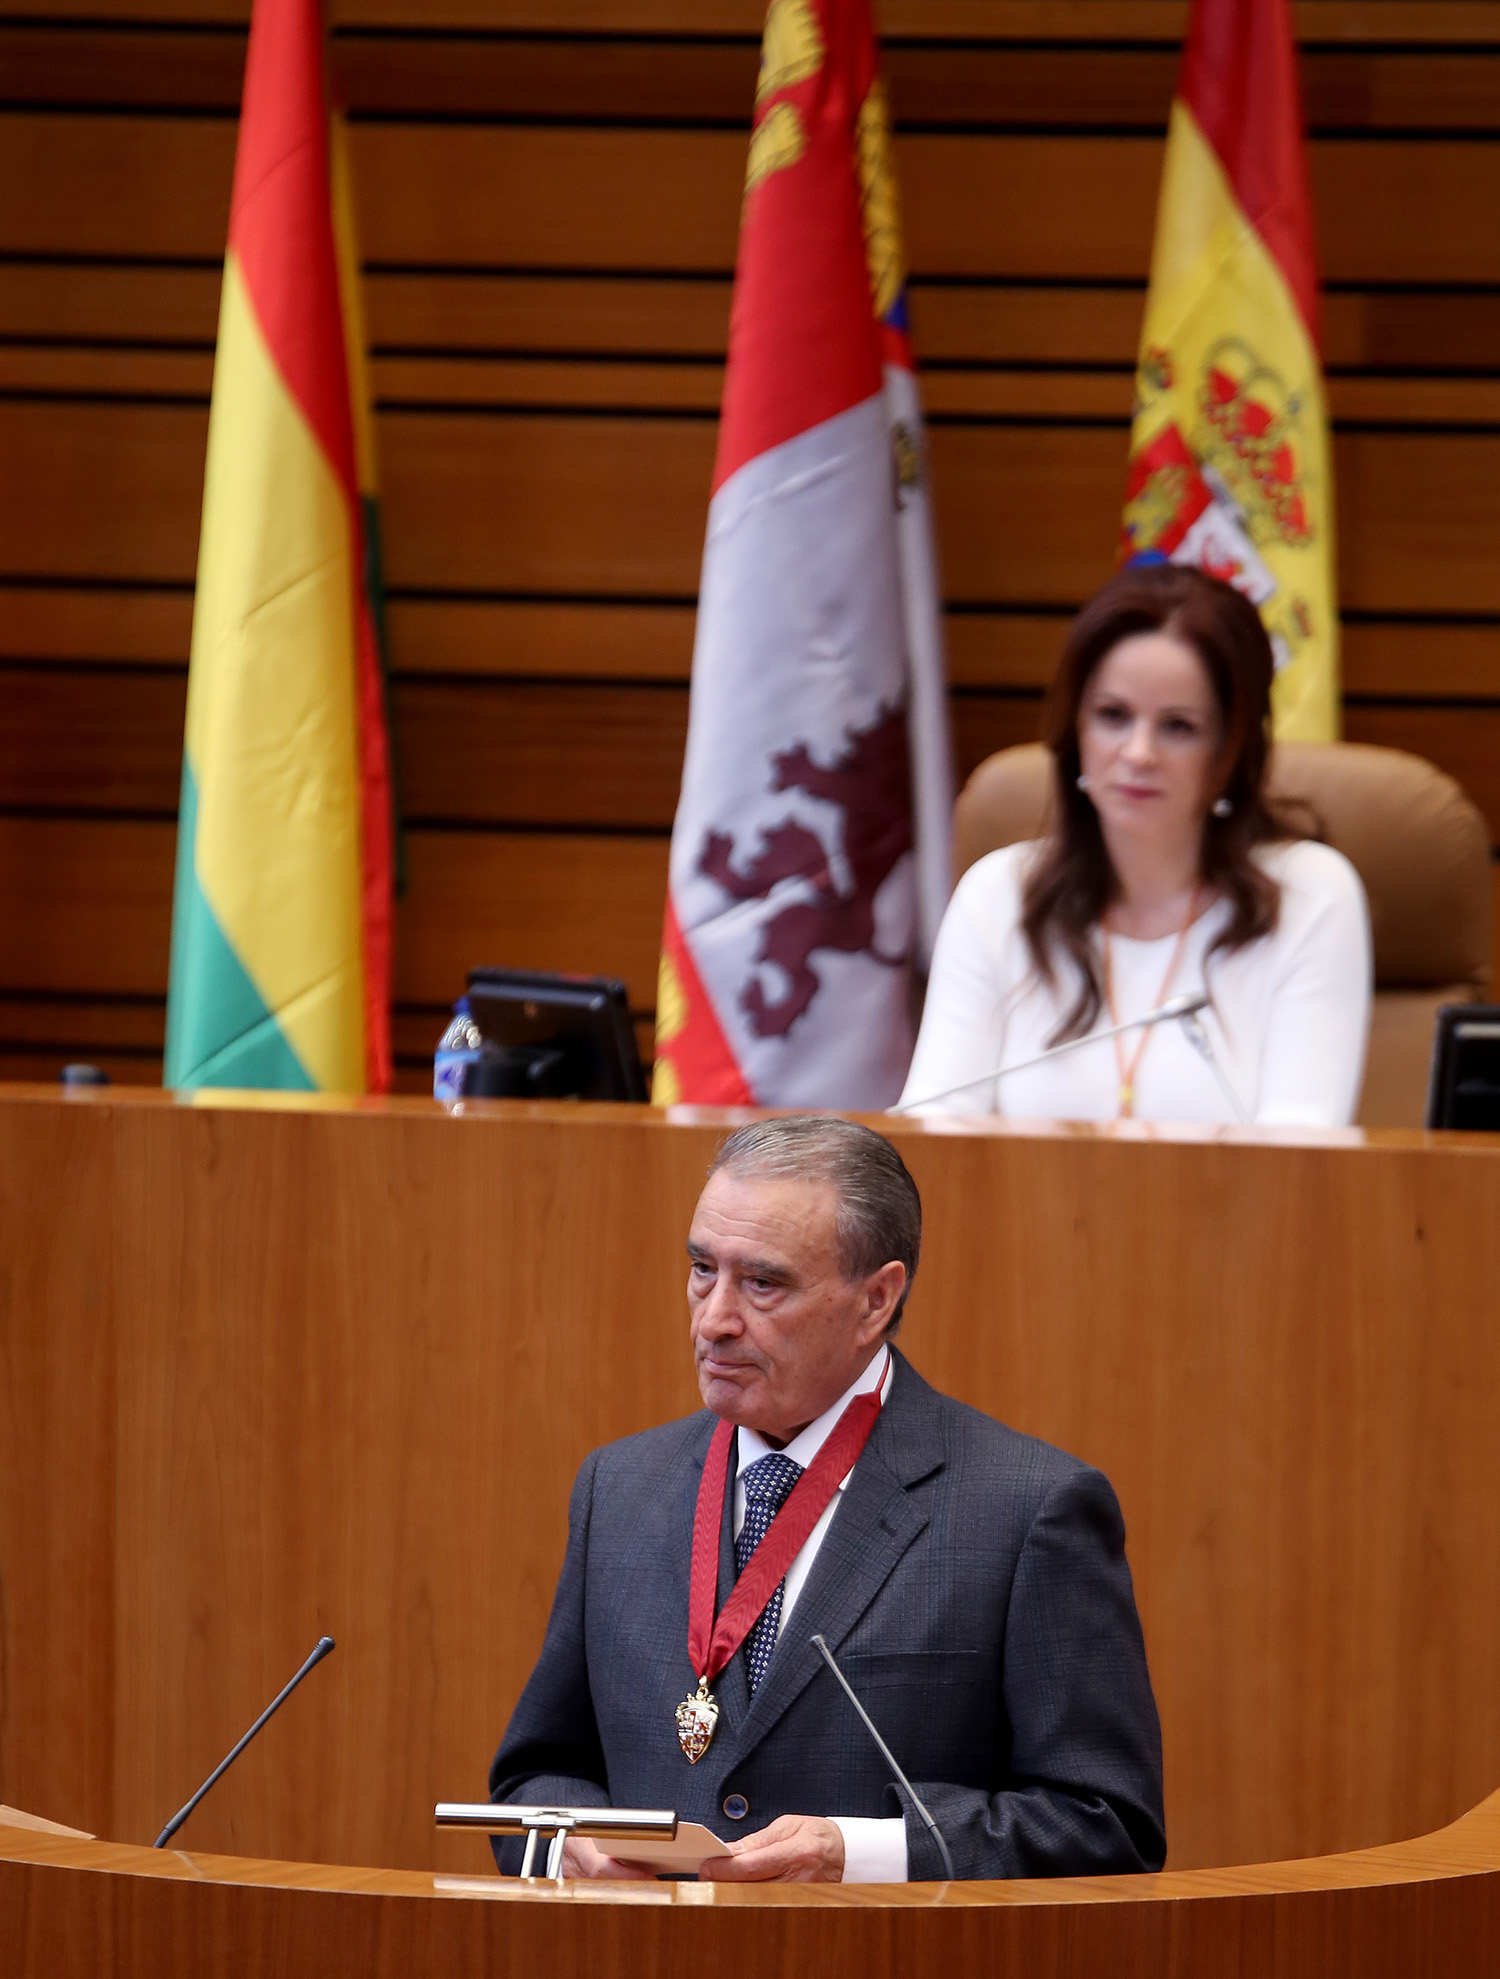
1428, 1906
273, 1369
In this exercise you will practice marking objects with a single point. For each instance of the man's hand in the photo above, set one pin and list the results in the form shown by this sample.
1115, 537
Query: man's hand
799, 1848
584, 1858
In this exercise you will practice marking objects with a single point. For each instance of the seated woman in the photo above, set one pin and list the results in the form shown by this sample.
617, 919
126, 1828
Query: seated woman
1167, 872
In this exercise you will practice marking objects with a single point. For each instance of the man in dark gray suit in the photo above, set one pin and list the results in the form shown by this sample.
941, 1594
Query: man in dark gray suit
971, 1581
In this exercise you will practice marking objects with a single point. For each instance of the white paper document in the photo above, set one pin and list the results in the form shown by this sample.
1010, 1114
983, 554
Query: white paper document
693, 1844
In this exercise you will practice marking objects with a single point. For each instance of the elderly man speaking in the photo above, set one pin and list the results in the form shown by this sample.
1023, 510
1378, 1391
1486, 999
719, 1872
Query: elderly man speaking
971, 1581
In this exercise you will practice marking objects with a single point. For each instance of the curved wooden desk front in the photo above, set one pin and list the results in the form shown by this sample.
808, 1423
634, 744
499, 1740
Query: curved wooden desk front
1430, 1906
272, 1367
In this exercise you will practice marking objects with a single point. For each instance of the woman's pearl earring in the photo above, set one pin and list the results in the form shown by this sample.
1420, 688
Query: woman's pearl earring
1222, 807
1083, 782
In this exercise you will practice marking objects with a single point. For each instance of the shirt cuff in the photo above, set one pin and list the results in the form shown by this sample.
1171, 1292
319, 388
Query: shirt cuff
874, 1851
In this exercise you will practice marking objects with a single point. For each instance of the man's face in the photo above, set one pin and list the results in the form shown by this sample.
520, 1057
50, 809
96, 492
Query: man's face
778, 1332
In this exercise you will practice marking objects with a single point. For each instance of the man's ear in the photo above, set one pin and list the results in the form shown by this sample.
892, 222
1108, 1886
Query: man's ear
883, 1291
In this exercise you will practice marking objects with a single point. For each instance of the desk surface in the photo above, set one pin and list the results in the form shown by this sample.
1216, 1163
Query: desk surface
271, 1367
722, 1118
1430, 1905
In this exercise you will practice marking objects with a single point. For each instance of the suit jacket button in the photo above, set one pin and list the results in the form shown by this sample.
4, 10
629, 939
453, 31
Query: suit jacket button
736, 1806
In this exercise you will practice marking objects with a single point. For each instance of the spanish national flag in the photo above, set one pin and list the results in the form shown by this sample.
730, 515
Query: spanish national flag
1230, 463
281, 928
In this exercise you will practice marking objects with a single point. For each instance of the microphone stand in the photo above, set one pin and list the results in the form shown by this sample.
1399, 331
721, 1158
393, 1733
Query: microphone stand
325, 1644
1177, 1009
889, 1757
1203, 1044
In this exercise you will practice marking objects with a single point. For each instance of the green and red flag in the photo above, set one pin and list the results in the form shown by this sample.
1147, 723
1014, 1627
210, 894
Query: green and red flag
1231, 468
281, 929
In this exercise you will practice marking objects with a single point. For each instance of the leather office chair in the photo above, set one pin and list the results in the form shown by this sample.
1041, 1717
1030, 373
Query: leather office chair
1417, 842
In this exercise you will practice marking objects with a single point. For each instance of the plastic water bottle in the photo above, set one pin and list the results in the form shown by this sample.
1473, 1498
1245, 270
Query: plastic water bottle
458, 1049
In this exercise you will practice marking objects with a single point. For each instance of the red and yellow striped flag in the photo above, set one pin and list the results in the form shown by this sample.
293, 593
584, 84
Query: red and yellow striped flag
1230, 463
281, 926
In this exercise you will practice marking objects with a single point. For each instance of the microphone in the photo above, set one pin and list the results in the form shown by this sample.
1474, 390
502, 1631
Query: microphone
889, 1757
1177, 1009
1203, 1044
325, 1644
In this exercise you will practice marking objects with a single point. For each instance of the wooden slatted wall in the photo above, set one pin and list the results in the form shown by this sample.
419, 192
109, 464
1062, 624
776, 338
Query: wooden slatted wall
549, 195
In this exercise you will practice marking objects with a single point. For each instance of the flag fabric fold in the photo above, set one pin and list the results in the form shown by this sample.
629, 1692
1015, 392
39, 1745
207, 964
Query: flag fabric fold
793, 919
281, 929
1231, 467
916, 536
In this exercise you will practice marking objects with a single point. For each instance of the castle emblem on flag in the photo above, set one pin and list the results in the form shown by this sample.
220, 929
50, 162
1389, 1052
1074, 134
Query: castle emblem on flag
878, 203
779, 141
792, 51
792, 48
800, 883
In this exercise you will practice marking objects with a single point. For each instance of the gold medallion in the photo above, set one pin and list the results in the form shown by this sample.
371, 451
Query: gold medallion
696, 1718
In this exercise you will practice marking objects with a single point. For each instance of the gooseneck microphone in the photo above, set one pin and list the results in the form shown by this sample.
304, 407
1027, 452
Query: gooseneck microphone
1203, 1044
890, 1758
325, 1644
1177, 1009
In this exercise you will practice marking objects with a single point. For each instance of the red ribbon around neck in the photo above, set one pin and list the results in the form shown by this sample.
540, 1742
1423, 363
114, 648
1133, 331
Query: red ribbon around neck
712, 1643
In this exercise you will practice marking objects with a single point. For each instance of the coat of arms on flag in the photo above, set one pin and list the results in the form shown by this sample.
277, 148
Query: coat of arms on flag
799, 861
1230, 465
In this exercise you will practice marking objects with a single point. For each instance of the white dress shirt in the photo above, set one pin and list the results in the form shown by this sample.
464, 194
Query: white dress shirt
874, 1849
1289, 1020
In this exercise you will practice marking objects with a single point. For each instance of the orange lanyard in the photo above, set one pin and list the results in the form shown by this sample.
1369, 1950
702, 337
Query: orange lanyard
1127, 1069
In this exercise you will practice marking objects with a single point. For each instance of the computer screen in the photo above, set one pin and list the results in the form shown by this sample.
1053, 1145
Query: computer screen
552, 1037
1464, 1085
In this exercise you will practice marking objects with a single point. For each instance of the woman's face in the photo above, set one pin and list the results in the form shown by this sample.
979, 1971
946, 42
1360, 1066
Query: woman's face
1149, 738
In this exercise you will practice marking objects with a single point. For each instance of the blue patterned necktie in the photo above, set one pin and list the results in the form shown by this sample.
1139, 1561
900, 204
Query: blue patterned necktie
768, 1483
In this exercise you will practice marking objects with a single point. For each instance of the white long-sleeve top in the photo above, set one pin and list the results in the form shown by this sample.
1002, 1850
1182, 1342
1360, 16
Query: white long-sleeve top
1289, 1021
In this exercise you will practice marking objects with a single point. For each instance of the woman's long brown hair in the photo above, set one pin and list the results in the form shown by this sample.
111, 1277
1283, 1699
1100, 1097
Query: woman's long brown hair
1073, 882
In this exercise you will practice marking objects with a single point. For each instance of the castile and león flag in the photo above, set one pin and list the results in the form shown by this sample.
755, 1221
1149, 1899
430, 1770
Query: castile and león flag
809, 859
1230, 465
281, 927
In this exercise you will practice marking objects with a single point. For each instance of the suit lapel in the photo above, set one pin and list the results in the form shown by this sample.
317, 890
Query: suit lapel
876, 1522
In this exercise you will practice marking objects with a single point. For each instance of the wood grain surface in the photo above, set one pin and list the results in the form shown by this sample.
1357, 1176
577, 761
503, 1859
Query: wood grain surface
89, 903
606, 198
1426, 1906
273, 1368
1376, 22
591, 641
549, 194
1378, 332
612, 502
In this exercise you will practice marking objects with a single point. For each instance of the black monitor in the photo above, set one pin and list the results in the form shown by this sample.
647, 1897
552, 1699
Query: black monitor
552, 1037
1463, 1088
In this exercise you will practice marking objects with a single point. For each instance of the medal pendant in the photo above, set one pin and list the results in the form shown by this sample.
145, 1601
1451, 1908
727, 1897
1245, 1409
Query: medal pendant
696, 1718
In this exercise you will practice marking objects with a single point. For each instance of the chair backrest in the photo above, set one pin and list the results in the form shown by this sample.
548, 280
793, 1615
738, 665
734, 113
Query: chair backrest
1415, 839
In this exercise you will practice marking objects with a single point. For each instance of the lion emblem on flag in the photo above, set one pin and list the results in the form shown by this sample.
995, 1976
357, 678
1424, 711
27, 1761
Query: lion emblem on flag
831, 888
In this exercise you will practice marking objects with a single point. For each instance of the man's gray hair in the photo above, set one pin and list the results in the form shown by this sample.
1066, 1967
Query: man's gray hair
879, 1215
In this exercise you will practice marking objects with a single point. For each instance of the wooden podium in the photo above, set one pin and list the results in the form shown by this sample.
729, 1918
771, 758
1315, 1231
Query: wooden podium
1429, 1907
271, 1367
